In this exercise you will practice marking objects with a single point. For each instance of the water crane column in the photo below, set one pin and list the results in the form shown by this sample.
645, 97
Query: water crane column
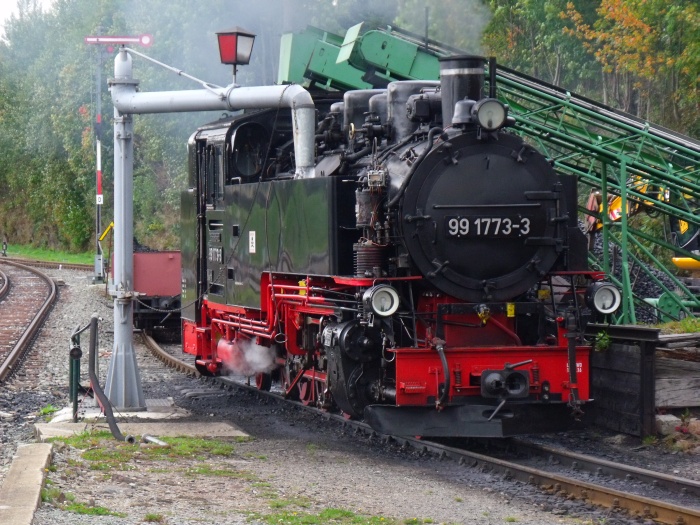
123, 386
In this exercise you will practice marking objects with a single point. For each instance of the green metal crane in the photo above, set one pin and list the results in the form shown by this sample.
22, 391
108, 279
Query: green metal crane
617, 157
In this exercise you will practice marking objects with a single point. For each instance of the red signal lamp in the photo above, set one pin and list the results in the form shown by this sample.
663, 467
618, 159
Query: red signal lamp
235, 46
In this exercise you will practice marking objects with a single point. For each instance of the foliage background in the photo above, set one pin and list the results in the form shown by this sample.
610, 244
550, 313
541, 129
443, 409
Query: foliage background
642, 56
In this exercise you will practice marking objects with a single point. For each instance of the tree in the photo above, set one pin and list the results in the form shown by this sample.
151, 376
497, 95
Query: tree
528, 35
649, 55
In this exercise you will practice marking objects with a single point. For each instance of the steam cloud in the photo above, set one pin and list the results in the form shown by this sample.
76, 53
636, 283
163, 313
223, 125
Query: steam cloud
247, 358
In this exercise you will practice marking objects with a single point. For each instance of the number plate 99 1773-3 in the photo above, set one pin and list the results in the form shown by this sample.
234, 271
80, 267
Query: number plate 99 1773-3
487, 226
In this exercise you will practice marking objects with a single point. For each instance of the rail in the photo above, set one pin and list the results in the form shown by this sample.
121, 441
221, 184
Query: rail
50, 264
7, 367
4, 284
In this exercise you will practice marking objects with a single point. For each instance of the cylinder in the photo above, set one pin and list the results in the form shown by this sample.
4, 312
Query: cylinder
461, 76
378, 106
356, 104
338, 109
369, 259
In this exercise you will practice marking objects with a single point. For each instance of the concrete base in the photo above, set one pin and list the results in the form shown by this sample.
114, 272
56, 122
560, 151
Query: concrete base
90, 411
21, 491
46, 431
92, 418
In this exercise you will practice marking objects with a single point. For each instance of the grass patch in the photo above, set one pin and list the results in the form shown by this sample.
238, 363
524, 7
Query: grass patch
55, 495
208, 470
300, 502
81, 508
45, 254
336, 516
106, 458
102, 452
85, 439
650, 441
185, 447
687, 325
250, 455
48, 410
154, 518
66, 501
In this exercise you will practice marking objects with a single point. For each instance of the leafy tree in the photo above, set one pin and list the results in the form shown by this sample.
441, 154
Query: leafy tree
528, 35
649, 54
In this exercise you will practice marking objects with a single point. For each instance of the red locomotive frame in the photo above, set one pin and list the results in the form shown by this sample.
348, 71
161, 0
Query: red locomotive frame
418, 371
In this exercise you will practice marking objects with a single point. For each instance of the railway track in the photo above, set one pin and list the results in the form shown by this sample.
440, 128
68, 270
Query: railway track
50, 264
4, 284
594, 480
27, 298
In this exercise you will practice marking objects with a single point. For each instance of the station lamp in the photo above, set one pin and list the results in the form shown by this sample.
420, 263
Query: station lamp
235, 47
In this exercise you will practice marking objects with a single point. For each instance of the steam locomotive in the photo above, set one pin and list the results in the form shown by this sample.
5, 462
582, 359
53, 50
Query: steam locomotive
425, 271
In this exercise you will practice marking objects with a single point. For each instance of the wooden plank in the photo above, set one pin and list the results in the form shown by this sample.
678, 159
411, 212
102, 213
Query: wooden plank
618, 358
677, 393
615, 384
622, 386
664, 338
680, 344
677, 383
623, 405
614, 419
676, 367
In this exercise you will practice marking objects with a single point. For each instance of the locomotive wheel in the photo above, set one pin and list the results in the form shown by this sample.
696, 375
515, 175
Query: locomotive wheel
324, 396
288, 375
307, 392
263, 381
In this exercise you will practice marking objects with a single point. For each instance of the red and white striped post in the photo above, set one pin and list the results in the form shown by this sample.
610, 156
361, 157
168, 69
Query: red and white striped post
142, 40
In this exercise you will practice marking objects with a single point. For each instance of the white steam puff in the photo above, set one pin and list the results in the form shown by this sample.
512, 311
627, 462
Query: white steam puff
247, 358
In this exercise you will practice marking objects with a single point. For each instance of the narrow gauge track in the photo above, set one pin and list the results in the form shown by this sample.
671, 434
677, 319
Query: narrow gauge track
522, 470
4, 285
50, 264
29, 295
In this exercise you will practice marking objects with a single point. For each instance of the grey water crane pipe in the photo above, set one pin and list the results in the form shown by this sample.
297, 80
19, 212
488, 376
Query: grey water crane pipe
123, 385
127, 100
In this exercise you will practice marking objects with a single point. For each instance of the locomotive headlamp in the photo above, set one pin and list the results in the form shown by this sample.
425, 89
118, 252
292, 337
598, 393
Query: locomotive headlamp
604, 298
383, 300
490, 113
